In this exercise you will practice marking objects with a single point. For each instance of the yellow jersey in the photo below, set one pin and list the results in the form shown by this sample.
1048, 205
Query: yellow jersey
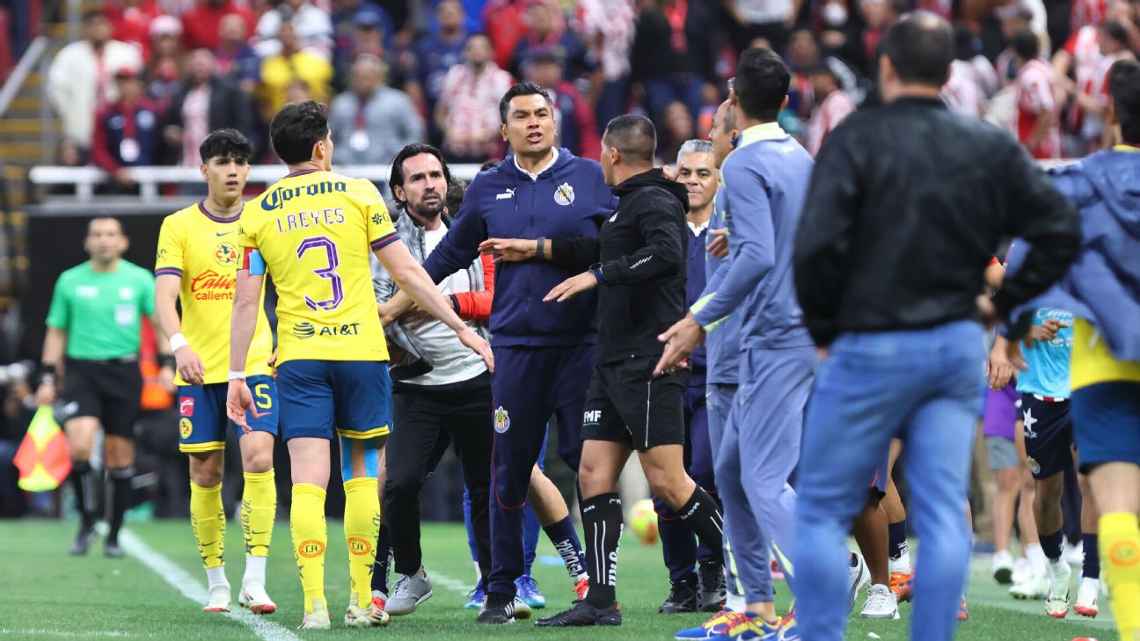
1093, 363
203, 250
315, 230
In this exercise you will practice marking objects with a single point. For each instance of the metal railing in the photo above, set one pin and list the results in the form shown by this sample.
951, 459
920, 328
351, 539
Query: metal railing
23, 69
151, 180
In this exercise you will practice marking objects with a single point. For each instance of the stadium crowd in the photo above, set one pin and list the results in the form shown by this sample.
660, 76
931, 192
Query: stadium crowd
151, 78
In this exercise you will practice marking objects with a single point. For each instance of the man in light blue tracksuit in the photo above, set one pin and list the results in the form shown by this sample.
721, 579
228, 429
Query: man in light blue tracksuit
765, 181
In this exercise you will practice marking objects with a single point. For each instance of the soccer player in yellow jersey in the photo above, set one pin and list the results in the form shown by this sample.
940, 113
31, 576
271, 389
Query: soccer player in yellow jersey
198, 253
313, 232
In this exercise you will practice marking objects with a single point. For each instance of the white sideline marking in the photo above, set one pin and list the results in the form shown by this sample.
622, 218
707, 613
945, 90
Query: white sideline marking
455, 585
64, 633
192, 589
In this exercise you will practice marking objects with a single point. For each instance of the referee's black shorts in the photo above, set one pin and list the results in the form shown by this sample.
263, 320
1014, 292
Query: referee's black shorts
107, 390
625, 403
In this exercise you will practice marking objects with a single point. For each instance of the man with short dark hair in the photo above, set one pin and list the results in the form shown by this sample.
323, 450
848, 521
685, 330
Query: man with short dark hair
92, 341
765, 180
314, 231
638, 264
197, 253
545, 352
906, 207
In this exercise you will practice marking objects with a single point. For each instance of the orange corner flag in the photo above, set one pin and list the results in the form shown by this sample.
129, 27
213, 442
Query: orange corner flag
43, 459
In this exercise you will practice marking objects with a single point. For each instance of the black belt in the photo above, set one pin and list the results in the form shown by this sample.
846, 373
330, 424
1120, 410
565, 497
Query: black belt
122, 360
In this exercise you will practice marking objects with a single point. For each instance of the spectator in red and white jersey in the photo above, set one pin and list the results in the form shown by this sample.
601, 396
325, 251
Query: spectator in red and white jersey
833, 104
1036, 106
607, 27
201, 24
468, 108
1092, 99
1086, 13
1014, 18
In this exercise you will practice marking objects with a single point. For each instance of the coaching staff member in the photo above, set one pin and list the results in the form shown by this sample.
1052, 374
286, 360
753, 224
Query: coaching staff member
545, 351
907, 204
92, 339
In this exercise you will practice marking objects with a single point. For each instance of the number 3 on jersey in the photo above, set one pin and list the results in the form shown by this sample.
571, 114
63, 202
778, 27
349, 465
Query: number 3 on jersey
328, 271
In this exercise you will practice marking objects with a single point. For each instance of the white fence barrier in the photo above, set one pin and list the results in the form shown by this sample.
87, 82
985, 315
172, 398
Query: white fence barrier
151, 179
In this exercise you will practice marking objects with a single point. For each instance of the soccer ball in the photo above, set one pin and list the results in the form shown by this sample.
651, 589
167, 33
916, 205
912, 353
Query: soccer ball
643, 521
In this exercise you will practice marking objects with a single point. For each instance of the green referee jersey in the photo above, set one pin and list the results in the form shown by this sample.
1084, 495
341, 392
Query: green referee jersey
102, 311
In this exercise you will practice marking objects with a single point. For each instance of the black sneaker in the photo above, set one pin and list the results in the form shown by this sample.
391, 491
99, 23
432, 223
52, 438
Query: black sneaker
82, 541
583, 614
112, 550
712, 591
682, 598
496, 612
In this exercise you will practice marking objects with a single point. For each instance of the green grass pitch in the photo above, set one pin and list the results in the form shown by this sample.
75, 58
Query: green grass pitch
49, 596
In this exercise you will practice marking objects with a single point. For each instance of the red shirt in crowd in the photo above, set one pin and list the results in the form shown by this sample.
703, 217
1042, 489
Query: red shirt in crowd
132, 24
200, 25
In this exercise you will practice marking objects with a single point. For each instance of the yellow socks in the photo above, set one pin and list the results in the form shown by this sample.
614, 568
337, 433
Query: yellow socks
361, 526
208, 521
310, 536
1120, 567
258, 507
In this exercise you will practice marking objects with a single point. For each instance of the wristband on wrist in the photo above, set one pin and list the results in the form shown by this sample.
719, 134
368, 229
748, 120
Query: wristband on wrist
236, 375
177, 342
166, 360
540, 247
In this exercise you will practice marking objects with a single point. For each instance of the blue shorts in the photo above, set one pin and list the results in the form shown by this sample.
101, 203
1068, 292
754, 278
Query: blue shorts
202, 419
1106, 420
351, 398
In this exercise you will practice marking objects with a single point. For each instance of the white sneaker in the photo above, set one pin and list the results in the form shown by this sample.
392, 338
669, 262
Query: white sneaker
254, 597
1002, 566
358, 617
858, 576
318, 619
522, 610
1074, 554
881, 604
1033, 587
1057, 601
1087, 595
1022, 570
219, 598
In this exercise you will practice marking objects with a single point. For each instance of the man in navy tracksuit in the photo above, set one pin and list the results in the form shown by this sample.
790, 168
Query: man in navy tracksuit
544, 354
704, 589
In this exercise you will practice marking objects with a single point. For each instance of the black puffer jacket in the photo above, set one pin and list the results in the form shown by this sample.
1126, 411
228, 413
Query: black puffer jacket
908, 202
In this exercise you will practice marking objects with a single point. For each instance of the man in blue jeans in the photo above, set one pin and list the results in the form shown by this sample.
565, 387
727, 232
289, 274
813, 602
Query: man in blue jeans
907, 205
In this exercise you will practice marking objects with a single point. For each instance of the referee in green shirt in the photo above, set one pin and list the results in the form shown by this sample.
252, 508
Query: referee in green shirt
92, 342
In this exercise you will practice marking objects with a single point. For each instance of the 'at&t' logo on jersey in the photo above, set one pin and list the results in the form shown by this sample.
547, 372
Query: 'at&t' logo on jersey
211, 285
